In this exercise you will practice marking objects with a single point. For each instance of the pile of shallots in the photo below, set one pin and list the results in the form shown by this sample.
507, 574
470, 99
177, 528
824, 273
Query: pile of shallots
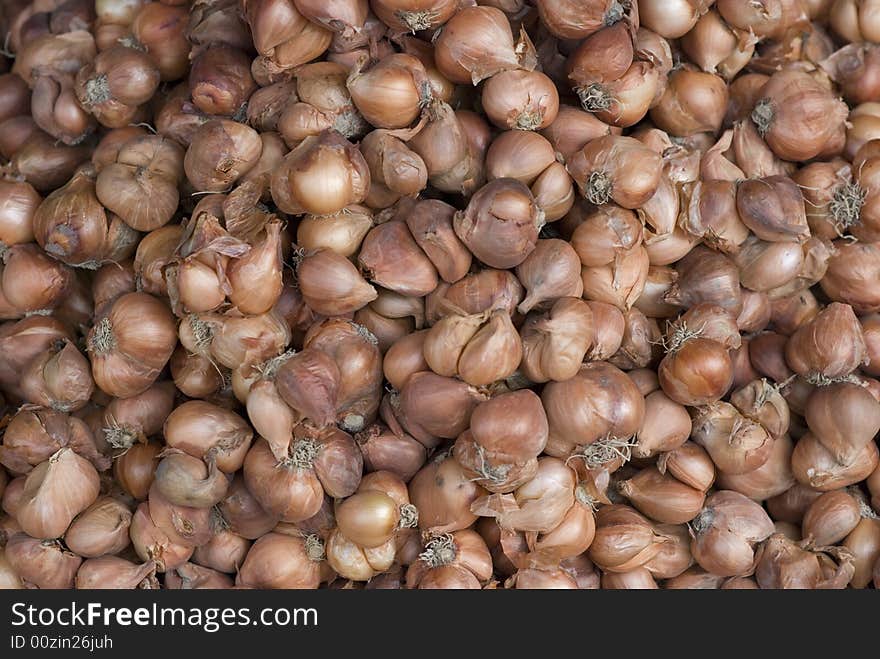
440, 294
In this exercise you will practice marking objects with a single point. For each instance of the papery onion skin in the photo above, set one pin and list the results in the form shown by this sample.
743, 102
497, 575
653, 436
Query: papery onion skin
599, 401
525, 100
243, 512
131, 345
331, 285
864, 544
624, 539
220, 80
32, 281
792, 504
197, 427
135, 470
700, 372
35, 434
55, 492
694, 102
432, 406
727, 531
662, 497
322, 175
18, 203
797, 115
556, 343
771, 479
737, 444
224, 552
279, 561
511, 426
390, 93
44, 565
831, 517
113, 572
409, 15
551, 271
540, 504
706, 276
844, 417
384, 450
815, 466
784, 564
430, 222
665, 427
830, 345
443, 495
368, 518
161, 29
151, 167
690, 464
849, 272
152, 544
59, 379
390, 257
221, 152
573, 20
674, 557
501, 223
101, 529
290, 489
475, 44
573, 129
616, 168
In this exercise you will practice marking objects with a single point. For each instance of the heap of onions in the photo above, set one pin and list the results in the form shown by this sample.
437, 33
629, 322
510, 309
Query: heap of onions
429, 294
